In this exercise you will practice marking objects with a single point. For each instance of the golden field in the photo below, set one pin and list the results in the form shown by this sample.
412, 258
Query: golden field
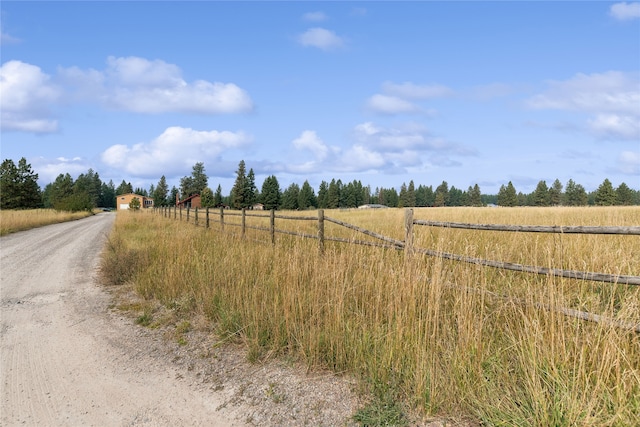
441, 337
20, 220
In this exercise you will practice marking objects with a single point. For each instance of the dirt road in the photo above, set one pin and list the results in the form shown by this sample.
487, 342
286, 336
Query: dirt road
66, 359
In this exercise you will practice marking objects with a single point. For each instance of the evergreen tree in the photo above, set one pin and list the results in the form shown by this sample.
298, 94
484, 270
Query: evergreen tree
323, 195
239, 191
207, 198
290, 197
333, 195
124, 188
555, 193
271, 195
624, 195
442, 195
306, 197
195, 183
402, 197
575, 194
251, 190
217, 197
507, 195
391, 196
19, 186
456, 197
541, 194
173, 196
475, 196
605, 194
411, 195
134, 204
107, 195
160, 193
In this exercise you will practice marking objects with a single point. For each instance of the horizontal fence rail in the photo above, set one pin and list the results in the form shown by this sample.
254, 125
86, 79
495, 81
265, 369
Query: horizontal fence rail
563, 229
408, 247
407, 244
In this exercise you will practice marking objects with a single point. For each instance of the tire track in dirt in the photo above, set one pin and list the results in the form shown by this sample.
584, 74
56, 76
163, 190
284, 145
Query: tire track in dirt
65, 359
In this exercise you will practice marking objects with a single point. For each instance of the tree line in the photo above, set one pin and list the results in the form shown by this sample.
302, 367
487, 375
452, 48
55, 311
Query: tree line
19, 189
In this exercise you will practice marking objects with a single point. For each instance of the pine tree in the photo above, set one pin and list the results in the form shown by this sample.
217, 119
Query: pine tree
19, 186
238, 192
217, 197
605, 194
160, 193
624, 195
207, 198
271, 194
290, 197
475, 196
306, 197
323, 195
555, 193
541, 194
173, 196
442, 195
333, 195
124, 188
251, 190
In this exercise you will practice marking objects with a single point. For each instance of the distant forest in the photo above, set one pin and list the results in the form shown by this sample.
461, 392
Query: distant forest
19, 189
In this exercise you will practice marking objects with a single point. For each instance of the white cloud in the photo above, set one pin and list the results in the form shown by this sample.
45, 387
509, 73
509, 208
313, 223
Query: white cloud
625, 11
320, 38
142, 86
8, 39
408, 90
612, 98
615, 126
398, 98
174, 151
629, 162
309, 140
385, 104
49, 169
26, 95
315, 16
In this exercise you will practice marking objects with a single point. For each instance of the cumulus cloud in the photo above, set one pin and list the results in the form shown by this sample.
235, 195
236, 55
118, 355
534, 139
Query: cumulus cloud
386, 104
408, 90
399, 98
27, 95
373, 147
612, 99
175, 150
315, 16
8, 39
143, 86
49, 169
321, 38
625, 11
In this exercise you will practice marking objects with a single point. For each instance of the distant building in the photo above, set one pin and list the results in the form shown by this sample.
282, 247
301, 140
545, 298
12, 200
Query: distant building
124, 200
257, 207
372, 206
190, 202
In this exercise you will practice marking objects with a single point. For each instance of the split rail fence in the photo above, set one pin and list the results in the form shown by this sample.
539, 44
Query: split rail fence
210, 215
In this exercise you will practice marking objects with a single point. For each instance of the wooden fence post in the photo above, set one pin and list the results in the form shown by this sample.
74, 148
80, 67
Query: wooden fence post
272, 226
408, 232
207, 216
188, 210
175, 212
244, 221
222, 218
180, 212
196, 217
321, 231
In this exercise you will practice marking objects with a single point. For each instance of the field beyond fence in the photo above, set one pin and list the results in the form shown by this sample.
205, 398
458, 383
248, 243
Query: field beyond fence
414, 303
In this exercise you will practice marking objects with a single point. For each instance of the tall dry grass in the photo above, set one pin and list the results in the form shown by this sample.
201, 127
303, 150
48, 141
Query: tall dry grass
20, 220
444, 337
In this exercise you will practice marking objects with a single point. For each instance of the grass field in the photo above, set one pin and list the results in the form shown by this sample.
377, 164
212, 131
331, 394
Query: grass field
443, 337
20, 220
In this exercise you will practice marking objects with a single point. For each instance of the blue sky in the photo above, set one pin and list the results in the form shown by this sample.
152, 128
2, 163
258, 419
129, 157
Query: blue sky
382, 92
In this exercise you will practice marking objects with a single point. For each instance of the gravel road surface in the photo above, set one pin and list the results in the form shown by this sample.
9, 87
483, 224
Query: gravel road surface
66, 359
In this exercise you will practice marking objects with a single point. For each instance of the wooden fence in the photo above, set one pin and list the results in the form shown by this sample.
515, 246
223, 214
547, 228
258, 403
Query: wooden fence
195, 216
